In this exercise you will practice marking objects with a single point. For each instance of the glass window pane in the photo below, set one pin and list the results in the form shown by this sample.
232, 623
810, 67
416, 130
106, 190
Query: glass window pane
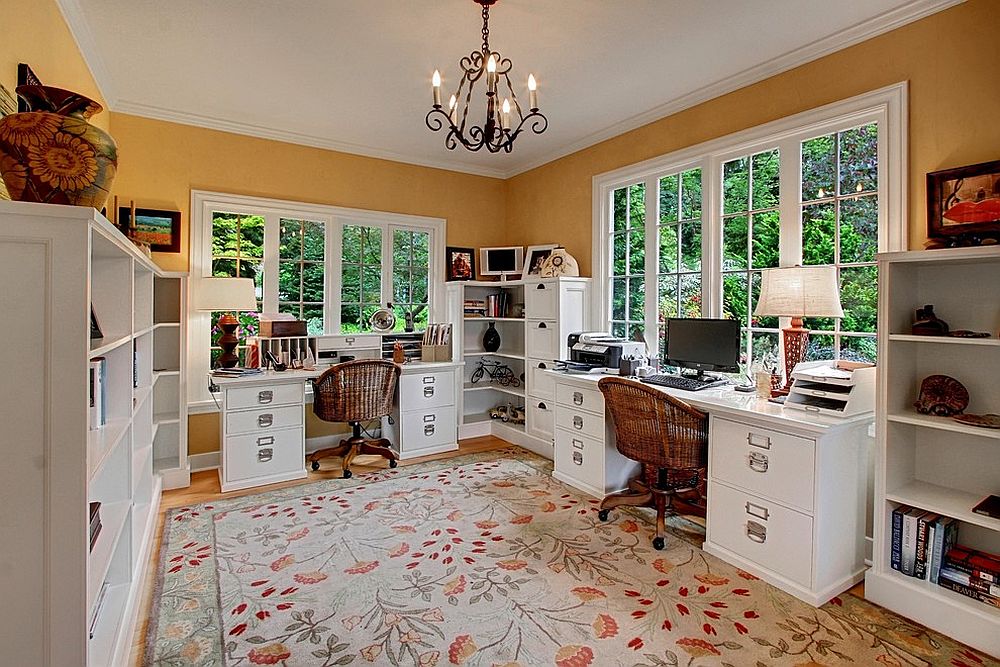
620, 209
291, 308
766, 234
252, 236
401, 286
859, 159
225, 237
289, 281
637, 251
618, 298
420, 286
854, 348
290, 239
313, 240
819, 167
765, 179
735, 185
819, 323
351, 244
691, 246
765, 350
735, 249
637, 206
636, 299
735, 302
859, 298
691, 295
618, 329
619, 243
224, 268
859, 229
691, 194
668, 198
667, 297
818, 232
371, 246
820, 347
371, 285
400, 247
421, 248
350, 318
312, 282
668, 249
636, 331
351, 282
314, 320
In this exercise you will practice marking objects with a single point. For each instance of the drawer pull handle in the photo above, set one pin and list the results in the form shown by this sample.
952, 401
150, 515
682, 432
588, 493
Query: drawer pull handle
542, 325
349, 341
577, 398
754, 440
577, 444
429, 418
429, 430
428, 392
265, 396
818, 392
578, 458
761, 511
265, 420
265, 440
756, 532
542, 406
577, 422
757, 462
811, 408
542, 365
539, 286
265, 455
428, 379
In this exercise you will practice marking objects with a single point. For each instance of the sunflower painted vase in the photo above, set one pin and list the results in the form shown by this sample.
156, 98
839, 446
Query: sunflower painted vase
51, 154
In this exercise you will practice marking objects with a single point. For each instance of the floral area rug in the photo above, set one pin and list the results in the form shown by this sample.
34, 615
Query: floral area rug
483, 560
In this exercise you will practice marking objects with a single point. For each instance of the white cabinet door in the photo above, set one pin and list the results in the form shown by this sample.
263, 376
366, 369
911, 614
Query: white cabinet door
541, 300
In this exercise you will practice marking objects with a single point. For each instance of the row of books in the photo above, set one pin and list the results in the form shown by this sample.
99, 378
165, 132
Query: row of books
494, 305
98, 406
475, 307
925, 546
95, 523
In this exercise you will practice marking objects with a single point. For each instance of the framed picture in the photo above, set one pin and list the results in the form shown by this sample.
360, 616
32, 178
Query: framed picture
964, 202
160, 230
535, 257
461, 263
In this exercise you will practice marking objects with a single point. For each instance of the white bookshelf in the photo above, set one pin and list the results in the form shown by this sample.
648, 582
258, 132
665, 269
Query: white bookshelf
936, 463
169, 381
56, 263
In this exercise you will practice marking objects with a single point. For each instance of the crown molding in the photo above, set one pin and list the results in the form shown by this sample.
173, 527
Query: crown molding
856, 34
78, 27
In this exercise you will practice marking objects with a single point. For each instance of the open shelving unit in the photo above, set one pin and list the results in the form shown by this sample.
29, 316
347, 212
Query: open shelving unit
169, 333
936, 463
69, 602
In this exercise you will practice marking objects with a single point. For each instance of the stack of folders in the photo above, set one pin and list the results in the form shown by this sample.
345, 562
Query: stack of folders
236, 372
98, 407
437, 334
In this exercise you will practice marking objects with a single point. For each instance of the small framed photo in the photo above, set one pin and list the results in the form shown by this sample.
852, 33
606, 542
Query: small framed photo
461, 263
535, 257
160, 230
964, 202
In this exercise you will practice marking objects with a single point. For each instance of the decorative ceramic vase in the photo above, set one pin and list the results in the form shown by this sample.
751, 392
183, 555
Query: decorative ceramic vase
51, 154
559, 263
491, 339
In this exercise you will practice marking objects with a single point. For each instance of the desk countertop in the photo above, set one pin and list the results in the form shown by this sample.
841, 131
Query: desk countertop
726, 401
302, 375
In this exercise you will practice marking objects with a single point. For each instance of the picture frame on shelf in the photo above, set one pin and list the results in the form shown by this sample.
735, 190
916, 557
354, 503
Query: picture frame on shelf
460, 264
963, 205
535, 256
95, 326
160, 230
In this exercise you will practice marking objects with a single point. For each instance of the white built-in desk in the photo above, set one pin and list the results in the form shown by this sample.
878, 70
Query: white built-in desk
262, 421
787, 489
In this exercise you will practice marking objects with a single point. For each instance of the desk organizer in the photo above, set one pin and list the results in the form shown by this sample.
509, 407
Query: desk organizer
820, 386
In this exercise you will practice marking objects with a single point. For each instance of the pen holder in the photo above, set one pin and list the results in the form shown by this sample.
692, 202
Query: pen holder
629, 367
435, 352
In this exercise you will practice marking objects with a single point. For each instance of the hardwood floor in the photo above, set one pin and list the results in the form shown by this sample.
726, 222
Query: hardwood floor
205, 487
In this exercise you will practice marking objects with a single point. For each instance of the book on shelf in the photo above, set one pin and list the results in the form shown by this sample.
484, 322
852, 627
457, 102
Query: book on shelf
908, 555
98, 402
943, 538
969, 592
980, 564
896, 554
966, 579
925, 525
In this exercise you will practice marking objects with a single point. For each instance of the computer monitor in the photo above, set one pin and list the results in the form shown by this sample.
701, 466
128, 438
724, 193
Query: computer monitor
501, 261
703, 344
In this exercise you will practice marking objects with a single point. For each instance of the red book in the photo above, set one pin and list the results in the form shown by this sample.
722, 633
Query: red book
977, 563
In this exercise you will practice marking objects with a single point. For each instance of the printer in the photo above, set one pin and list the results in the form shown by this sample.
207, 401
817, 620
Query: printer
602, 350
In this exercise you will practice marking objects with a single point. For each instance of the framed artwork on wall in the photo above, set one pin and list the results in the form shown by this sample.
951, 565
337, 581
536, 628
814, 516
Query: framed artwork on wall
461, 264
534, 257
963, 205
160, 230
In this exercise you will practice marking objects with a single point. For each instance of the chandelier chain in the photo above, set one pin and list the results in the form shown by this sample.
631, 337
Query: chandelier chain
486, 29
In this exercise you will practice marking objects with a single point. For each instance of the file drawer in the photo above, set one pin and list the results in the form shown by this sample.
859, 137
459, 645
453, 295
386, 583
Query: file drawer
764, 462
344, 343
286, 393
427, 390
265, 419
775, 537
540, 383
591, 400
263, 455
579, 457
541, 417
579, 422
543, 340
429, 428
541, 301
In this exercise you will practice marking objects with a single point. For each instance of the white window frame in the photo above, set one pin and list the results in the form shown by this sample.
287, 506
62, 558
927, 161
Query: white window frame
204, 203
886, 106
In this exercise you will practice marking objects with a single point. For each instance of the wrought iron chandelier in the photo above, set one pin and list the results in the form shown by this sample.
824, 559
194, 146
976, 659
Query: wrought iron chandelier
504, 119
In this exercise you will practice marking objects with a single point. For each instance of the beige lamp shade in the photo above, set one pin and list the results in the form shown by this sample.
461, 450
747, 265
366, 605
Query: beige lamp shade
226, 294
800, 291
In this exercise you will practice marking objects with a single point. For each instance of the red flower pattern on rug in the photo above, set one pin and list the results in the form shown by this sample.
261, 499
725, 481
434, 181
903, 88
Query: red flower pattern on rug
485, 562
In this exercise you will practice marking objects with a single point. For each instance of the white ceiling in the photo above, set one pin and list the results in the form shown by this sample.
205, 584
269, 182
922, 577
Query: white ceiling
354, 75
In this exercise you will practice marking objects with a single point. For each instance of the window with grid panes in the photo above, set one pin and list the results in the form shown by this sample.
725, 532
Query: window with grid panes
301, 256
237, 252
410, 277
628, 275
361, 276
840, 227
751, 229
679, 258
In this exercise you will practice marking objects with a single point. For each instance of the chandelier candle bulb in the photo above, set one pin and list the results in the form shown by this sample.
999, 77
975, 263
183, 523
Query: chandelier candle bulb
505, 118
453, 110
532, 92
436, 82
491, 74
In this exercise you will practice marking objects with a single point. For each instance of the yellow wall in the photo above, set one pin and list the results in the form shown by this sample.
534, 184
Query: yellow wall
35, 33
950, 60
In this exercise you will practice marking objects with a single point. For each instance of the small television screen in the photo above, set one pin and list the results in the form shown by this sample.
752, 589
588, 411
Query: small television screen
498, 261
703, 344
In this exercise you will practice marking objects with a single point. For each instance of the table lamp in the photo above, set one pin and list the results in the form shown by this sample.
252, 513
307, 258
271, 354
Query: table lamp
797, 292
228, 295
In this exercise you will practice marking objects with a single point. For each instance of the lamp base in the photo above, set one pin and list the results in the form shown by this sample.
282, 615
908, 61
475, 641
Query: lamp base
228, 341
796, 338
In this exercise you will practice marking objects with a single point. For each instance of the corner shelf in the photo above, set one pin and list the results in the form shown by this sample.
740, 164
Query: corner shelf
108, 343
513, 391
945, 340
945, 500
942, 424
484, 353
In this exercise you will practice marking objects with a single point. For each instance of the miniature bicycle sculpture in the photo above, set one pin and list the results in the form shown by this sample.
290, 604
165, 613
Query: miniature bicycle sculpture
497, 372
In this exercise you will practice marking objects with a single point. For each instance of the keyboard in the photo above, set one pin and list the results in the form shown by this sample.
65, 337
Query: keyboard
681, 382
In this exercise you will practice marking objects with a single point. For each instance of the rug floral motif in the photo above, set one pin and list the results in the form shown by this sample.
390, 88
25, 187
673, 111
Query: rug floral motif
484, 560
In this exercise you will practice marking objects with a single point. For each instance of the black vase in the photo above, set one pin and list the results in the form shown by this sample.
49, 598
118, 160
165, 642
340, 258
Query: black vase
491, 339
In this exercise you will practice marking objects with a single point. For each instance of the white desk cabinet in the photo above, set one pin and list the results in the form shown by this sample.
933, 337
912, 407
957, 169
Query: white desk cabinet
787, 490
424, 419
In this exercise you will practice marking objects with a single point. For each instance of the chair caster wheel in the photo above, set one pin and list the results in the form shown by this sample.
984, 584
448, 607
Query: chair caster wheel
659, 543
603, 515
315, 466
393, 463
348, 474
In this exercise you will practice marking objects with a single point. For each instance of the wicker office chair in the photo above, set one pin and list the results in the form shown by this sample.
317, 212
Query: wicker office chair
355, 392
667, 436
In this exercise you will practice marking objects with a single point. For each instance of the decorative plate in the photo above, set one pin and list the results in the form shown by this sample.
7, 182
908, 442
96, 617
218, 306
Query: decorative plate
941, 396
988, 420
